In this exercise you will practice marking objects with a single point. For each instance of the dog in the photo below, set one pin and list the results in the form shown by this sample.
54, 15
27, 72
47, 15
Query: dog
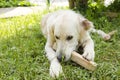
65, 31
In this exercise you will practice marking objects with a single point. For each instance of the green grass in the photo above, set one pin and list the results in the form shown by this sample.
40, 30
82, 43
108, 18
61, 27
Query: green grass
22, 52
14, 3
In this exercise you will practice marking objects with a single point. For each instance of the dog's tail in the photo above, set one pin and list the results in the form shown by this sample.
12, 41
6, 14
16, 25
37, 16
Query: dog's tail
105, 36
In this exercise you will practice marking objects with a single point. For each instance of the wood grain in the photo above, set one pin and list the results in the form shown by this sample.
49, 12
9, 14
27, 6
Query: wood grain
77, 58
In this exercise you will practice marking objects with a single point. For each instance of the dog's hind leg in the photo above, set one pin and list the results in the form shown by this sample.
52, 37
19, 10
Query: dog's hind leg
104, 35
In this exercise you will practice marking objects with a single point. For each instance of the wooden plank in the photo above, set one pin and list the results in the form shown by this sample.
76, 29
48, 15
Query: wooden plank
77, 58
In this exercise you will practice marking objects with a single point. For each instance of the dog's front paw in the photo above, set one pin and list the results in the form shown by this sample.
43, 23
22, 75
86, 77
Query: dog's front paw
89, 55
55, 68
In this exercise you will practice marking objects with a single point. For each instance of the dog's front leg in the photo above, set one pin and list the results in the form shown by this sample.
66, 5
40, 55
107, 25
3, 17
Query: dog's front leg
55, 67
89, 50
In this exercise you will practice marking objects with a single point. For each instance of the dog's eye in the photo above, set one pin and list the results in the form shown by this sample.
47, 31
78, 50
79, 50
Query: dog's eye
57, 37
69, 38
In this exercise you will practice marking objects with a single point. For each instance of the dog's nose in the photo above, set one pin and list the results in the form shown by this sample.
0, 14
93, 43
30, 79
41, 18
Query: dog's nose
59, 59
59, 55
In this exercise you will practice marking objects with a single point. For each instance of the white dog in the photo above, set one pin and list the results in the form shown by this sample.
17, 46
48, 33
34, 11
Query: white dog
65, 31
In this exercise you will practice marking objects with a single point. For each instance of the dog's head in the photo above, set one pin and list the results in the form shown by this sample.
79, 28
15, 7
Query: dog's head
69, 31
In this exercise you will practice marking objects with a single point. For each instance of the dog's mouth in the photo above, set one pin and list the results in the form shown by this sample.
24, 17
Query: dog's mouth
78, 50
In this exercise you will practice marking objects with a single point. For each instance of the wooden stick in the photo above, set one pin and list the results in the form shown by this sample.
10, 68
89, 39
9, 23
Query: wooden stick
77, 58
112, 32
109, 35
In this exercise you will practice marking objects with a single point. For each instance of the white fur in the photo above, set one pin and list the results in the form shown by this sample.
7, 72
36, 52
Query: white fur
55, 68
62, 24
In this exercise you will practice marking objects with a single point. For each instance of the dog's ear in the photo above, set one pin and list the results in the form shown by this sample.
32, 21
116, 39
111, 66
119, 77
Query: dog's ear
87, 24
